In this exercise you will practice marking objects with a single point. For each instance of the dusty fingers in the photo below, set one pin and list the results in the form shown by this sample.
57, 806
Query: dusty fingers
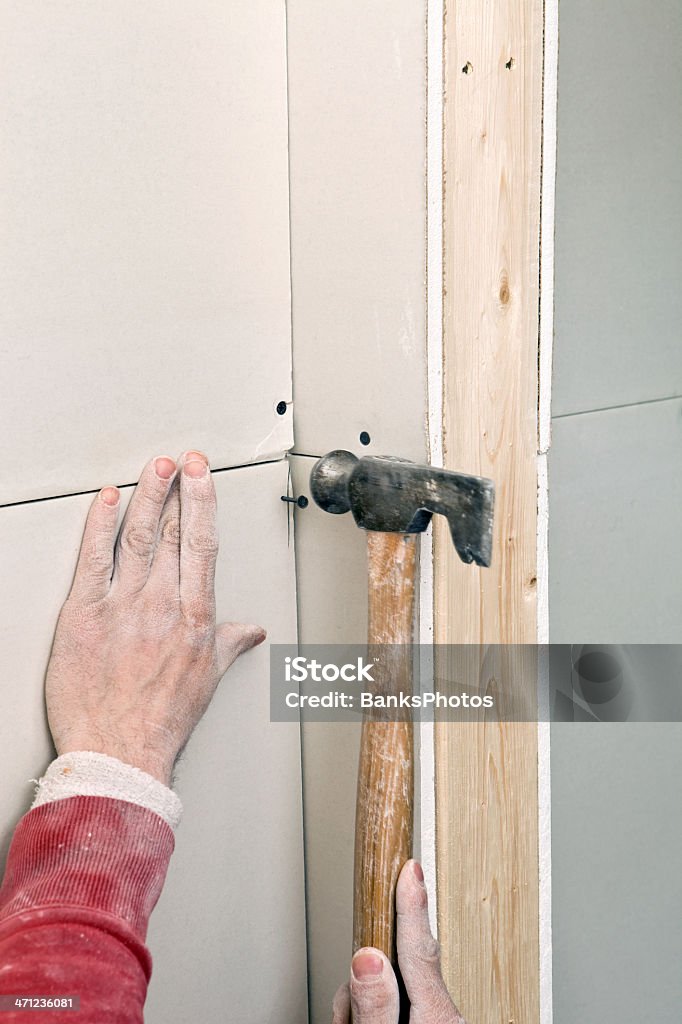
419, 953
374, 995
165, 570
96, 559
139, 531
198, 552
341, 1005
198, 539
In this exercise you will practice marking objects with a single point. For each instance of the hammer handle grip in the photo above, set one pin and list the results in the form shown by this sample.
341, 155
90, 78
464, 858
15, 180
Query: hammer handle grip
384, 808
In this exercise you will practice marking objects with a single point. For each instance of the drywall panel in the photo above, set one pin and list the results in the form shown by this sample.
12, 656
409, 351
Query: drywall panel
231, 913
331, 575
357, 102
615, 553
618, 205
144, 262
617, 888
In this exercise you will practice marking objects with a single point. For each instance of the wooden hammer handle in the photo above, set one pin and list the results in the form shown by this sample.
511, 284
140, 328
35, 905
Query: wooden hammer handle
384, 809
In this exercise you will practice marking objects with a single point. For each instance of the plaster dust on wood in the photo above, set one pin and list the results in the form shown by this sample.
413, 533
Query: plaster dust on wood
486, 772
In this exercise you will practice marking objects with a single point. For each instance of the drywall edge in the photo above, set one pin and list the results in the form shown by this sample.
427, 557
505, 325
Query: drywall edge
434, 343
546, 337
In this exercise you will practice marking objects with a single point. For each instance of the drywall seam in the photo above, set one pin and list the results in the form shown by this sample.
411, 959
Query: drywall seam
434, 344
133, 483
546, 338
291, 520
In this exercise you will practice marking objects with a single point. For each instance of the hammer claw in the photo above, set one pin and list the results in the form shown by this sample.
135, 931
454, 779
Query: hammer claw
389, 495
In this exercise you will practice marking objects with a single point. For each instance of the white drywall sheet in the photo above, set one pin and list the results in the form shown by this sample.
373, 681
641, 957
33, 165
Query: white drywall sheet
357, 126
357, 103
232, 911
144, 242
331, 573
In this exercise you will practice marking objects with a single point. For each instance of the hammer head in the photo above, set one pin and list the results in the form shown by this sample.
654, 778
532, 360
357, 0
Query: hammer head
395, 496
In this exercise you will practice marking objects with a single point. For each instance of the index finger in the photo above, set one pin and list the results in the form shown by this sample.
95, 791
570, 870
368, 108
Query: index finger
341, 1005
96, 558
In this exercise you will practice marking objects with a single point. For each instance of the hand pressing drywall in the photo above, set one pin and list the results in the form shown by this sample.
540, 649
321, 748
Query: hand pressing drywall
137, 655
372, 993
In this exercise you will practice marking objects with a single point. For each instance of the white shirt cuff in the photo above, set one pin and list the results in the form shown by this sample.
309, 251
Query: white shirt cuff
86, 773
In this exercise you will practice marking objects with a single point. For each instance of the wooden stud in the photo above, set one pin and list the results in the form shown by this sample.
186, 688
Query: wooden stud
486, 774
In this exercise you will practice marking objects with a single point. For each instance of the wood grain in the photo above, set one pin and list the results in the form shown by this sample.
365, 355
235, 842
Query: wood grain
486, 773
384, 811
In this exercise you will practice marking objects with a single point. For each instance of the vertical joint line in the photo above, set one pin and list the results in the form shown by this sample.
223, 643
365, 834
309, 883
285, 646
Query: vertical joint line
435, 14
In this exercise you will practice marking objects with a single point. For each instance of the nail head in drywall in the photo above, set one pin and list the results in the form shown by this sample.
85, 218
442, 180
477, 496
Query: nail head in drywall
301, 502
365, 438
281, 408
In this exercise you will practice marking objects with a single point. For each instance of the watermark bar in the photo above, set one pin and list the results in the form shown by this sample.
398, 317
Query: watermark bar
477, 683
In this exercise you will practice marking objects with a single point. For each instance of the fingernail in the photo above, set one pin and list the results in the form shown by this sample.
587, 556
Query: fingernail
191, 456
367, 965
110, 495
418, 873
195, 469
164, 467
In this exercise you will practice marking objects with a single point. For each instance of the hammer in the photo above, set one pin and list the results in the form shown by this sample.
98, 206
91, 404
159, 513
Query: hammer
394, 500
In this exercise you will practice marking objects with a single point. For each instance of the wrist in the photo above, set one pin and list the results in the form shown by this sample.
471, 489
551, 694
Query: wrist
91, 773
158, 764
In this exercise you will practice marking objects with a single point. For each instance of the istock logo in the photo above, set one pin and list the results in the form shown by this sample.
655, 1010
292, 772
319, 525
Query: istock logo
297, 670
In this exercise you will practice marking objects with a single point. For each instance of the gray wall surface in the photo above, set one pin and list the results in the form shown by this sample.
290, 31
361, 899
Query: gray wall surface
616, 880
357, 95
615, 495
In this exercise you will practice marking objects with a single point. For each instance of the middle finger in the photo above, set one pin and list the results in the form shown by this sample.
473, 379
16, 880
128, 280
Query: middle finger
137, 538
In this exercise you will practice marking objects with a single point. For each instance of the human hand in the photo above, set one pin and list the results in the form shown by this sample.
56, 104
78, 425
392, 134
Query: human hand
373, 990
137, 655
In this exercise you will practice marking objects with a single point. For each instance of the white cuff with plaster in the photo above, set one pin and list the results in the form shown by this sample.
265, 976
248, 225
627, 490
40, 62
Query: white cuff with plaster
86, 773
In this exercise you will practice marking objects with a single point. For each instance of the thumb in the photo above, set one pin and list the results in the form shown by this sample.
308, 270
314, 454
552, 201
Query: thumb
373, 988
233, 639
419, 953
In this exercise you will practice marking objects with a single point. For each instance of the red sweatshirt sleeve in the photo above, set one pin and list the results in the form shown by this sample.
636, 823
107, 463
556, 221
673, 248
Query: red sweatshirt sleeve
82, 878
